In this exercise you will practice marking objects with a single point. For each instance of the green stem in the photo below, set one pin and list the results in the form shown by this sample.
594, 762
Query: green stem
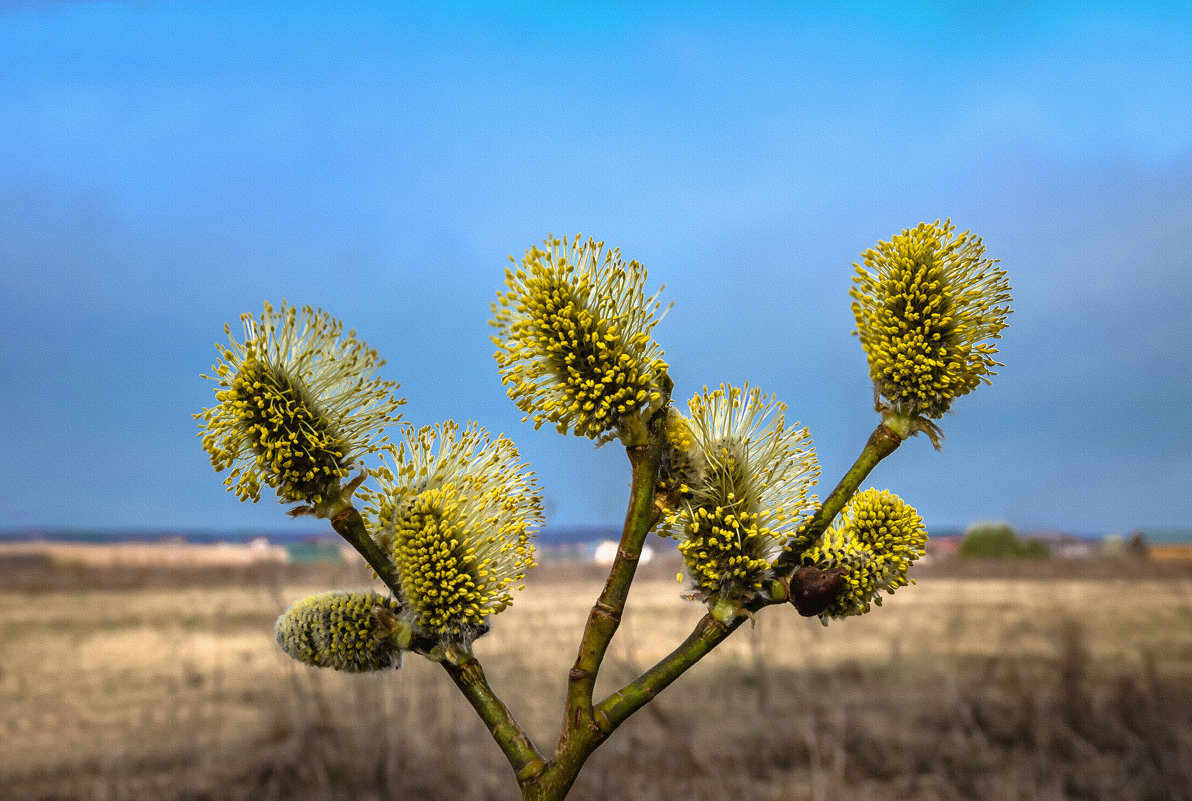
586, 726
605, 616
463, 667
554, 783
349, 525
882, 442
468, 675
708, 633
580, 733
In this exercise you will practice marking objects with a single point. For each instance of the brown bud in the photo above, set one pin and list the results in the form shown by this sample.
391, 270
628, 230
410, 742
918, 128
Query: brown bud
813, 590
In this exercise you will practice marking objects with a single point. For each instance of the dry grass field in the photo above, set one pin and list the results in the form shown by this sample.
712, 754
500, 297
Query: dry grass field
1038, 684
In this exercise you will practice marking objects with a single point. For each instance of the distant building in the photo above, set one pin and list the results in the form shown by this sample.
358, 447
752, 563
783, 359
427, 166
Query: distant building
1166, 543
606, 552
1064, 545
944, 545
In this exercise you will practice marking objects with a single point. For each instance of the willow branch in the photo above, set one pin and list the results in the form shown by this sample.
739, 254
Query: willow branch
349, 525
463, 667
708, 633
605, 616
468, 675
882, 442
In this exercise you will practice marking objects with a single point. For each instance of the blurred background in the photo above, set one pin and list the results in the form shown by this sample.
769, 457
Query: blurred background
167, 166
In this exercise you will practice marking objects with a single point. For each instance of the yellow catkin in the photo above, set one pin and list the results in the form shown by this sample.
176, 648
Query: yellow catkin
926, 305
298, 404
573, 337
340, 630
724, 550
457, 512
875, 540
744, 479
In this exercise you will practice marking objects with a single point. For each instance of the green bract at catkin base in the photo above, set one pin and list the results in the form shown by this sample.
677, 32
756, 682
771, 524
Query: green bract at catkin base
456, 511
746, 494
926, 302
875, 540
298, 406
352, 631
573, 338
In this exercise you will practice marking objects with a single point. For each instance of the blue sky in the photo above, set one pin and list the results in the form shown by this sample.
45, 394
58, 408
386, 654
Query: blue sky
165, 166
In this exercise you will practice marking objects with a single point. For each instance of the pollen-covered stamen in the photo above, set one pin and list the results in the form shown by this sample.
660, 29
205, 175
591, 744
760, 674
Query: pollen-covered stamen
298, 405
452, 582
457, 511
599, 384
574, 346
729, 474
726, 552
925, 303
875, 541
748, 496
294, 442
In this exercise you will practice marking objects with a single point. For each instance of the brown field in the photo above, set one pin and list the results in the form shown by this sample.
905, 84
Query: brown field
1040, 683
